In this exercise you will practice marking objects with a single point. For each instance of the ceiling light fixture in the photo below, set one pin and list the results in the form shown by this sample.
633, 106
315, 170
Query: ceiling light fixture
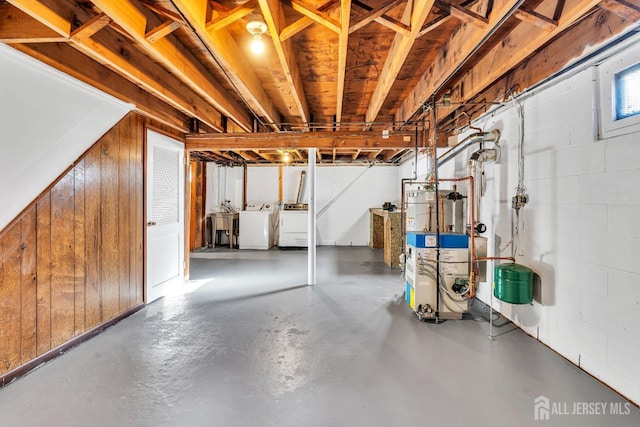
257, 28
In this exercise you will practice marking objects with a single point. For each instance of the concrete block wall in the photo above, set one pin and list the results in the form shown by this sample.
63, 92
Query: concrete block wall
580, 231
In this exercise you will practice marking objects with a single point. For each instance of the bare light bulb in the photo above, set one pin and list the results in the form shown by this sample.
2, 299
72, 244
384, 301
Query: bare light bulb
286, 157
257, 45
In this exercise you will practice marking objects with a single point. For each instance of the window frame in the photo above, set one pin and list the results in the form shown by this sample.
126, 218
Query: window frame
609, 126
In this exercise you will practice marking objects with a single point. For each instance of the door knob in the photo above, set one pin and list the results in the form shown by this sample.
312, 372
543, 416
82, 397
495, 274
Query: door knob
150, 223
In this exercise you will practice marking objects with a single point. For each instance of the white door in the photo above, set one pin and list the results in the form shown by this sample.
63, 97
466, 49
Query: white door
165, 215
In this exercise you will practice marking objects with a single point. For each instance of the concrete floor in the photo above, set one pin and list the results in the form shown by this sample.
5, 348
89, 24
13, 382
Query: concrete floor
247, 345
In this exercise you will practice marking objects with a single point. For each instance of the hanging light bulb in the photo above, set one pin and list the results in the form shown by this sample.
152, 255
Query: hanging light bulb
286, 157
257, 45
257, 28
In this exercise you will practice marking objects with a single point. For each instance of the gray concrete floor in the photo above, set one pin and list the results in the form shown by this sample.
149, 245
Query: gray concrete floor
247, 345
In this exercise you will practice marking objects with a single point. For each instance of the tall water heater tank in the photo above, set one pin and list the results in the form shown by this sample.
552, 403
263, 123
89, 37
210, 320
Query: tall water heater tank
417, 210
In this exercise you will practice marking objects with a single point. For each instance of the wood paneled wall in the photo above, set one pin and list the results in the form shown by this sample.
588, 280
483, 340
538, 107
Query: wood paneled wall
73, 260
197, 201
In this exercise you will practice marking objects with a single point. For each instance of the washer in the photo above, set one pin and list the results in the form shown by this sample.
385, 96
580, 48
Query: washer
256, 227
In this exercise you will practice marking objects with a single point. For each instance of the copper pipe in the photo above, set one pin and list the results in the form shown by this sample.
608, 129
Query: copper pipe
490, 258
442, 226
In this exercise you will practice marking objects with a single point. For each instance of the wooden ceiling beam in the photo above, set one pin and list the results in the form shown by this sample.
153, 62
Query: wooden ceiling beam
398, 53
72, 62
386, 20
304, 22
273, 14
434, 24
317, 16
468, 16
343, 44
390, 155
355, 154
232, 59
139, 69
522, 42
451, 57
300, 140
175, 57
18, 27
162, 30
536, 19
372, 156
91, 27
161, 11
51, 18
592, 31
622, 8
374, 14
231, 16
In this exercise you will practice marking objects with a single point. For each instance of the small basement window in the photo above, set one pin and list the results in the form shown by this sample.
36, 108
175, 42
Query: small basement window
619, 93
627, 92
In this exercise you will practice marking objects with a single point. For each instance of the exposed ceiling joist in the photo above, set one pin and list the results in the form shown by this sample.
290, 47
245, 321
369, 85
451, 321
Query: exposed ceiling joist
398, 53
231, 16
162, 30
326, 140
89, 28
343, 44
536, 19
457, 50
274, 17
374, 14
304, 22
431, 26
623, 8
136, 67
386, 20
468, 16
178, 60
317, 16
18, 27
232, 60
522, 42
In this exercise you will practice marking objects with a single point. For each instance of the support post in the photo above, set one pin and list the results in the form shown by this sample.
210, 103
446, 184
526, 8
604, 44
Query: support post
312, 217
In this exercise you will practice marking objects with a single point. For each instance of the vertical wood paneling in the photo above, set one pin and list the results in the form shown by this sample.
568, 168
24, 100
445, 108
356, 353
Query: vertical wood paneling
79, 249
197, 205
28, 285
93, 230
139, 218
62, 257
109, 268
193, 174
124, 189
43, 286
10, 304
74, 260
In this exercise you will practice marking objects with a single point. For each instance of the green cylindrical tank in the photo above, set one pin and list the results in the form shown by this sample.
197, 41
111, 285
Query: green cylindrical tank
513, 283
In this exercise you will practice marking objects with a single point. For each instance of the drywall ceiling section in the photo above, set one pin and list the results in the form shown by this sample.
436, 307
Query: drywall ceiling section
47, 120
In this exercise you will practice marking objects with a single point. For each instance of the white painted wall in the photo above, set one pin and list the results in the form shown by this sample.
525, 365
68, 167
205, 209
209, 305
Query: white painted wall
344, 223
47, 121
223, 183
581, 230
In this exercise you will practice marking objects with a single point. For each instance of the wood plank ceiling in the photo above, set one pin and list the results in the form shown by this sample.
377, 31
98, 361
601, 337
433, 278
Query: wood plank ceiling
335, 74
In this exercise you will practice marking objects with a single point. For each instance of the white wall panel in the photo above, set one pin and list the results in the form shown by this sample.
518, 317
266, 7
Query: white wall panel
47, 121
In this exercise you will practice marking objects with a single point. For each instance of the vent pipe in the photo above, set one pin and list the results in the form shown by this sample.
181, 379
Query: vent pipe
475, 138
